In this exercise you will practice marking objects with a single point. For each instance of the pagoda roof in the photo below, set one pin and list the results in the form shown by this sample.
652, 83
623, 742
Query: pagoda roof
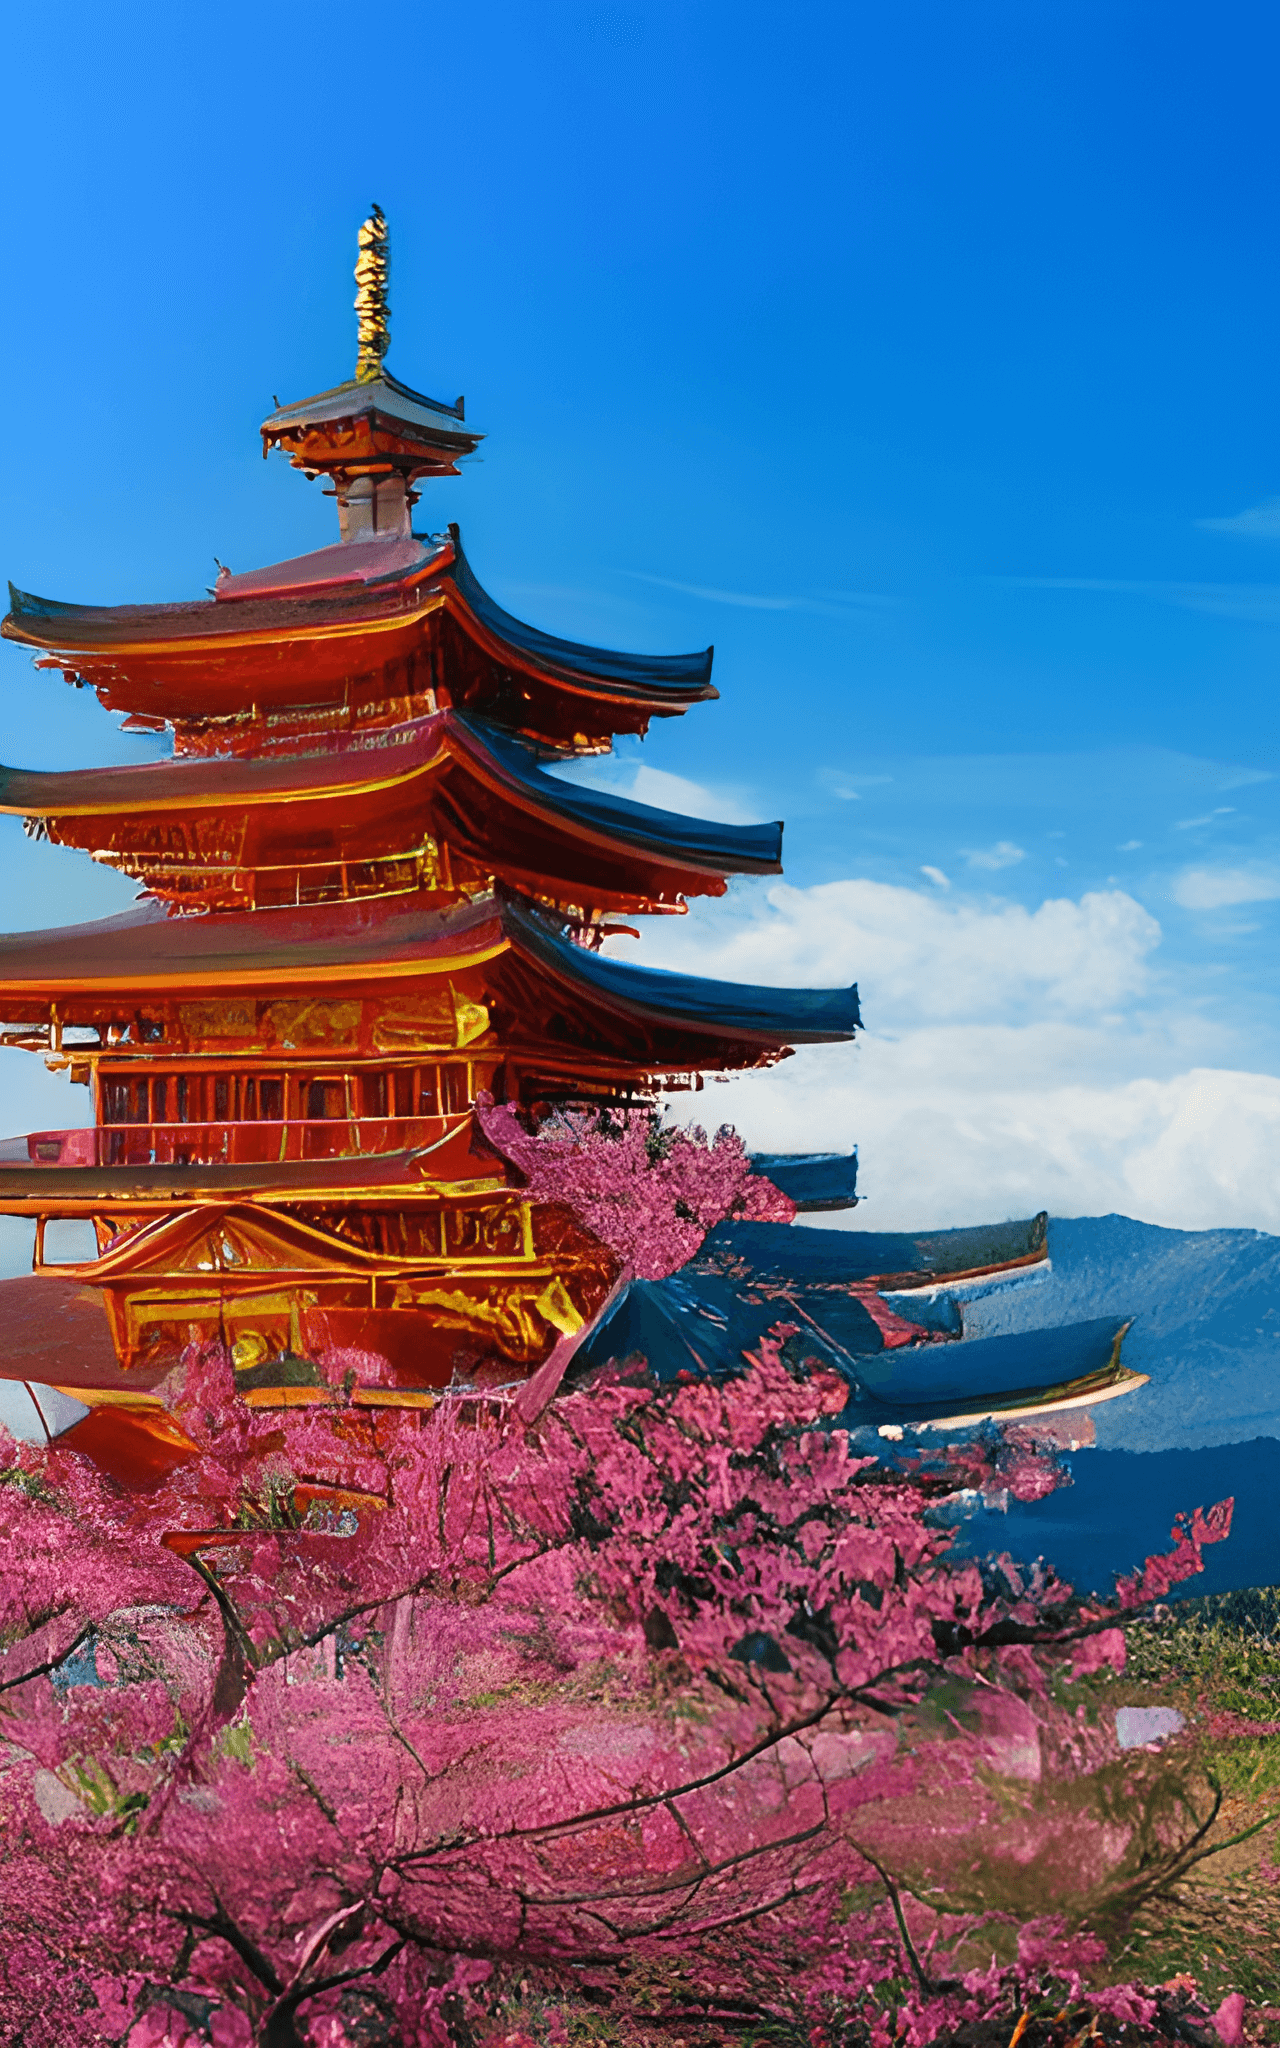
707, 843
489, 787
383, 393
570, 658
299, 636
812, 1180
793, 1016
381, 416
343, 565
544, 992
772, 1254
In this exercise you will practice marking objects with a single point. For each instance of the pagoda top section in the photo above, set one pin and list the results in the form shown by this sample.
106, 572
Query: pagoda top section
373, 437
381, 627
371, 426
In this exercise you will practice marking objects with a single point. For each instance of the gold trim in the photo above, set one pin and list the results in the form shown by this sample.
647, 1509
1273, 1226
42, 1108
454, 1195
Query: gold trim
114, 1397
392, 1397
136, 802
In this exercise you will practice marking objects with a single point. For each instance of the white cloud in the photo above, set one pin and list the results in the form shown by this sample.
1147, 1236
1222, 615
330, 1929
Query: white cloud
840, 781
971, 1125
1258, 522
936, 875
1014, 1059
1216, 888
666, 792
1193, 824
920, 958
830, 602
1004, 854
673, 793
748, 600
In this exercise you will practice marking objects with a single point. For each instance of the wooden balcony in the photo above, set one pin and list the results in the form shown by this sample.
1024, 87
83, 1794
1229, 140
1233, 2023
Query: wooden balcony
259, 1143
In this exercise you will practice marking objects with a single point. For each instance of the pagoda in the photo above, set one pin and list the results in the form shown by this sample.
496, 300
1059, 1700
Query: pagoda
366, 903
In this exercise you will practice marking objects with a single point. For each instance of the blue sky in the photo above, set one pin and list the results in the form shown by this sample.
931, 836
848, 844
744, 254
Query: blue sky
921, 358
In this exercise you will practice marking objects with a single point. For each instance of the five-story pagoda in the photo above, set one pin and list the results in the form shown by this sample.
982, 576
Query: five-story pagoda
365, 903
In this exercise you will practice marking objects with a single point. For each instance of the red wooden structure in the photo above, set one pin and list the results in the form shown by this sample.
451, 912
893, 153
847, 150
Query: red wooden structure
365, 899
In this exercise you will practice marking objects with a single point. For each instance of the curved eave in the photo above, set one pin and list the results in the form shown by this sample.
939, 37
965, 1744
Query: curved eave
191, 783
145, 953
814, 1181
511, 768
670, 678
82, 633
721, 1009
411, 754
88, 636
383, 398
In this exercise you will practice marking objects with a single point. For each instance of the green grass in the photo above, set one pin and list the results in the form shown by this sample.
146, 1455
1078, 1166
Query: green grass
1221, 1923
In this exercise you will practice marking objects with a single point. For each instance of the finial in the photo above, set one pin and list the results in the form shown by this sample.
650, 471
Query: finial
373, 268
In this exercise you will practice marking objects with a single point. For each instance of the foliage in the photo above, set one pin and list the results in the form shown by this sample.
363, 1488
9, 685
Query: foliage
671, 1699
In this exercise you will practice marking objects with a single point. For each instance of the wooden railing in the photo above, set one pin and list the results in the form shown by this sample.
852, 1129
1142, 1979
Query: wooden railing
225, 1144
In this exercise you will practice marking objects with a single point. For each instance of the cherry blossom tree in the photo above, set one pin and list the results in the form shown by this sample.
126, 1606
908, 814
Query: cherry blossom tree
669, 1700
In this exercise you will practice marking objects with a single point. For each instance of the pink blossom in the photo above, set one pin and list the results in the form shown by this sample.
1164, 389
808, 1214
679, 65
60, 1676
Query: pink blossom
647, 1191
1094, 1653
1229, 2020
661, 1685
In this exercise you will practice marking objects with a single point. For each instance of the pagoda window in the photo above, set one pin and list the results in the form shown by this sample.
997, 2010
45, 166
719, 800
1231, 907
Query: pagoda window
270, 1100
373, 1094
326, 1099
125, 1101
224, 1093
249, 1099
181, 1093
418, 1091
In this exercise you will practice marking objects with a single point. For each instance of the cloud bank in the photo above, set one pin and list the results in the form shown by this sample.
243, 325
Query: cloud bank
1014, 1059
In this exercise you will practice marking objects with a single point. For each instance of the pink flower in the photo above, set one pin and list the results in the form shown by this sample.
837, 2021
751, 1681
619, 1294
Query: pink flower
1229, 2020
647, 1191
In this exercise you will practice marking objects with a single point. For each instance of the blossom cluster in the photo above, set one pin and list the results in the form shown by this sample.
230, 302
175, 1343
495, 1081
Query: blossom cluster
671, 1698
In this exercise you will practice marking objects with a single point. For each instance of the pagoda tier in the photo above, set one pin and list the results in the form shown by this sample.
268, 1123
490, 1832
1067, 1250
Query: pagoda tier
382, 1258
371, 426
492, 987
396, 915
358, 634
440, 805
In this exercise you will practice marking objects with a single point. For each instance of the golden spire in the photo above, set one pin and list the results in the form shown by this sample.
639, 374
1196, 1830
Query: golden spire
373, 269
